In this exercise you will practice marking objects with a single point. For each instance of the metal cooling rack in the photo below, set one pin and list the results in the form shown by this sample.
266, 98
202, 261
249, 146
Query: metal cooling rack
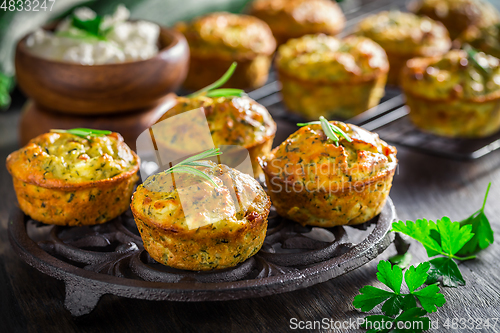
390, 118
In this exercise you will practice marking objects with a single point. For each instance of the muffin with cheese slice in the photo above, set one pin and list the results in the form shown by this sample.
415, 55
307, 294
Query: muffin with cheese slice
316, 181
404, 36
456, 95
188, 222
66, 179
326, 76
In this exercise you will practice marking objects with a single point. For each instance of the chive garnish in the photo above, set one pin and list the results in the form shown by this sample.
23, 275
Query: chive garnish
332, 132
212, 91
83, 132
187, 166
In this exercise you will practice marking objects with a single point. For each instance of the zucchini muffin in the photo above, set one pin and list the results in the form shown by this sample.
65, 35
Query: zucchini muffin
296, 18
486, 39
218, 39
64, 179
457, 15
315, 182
326, 76
233, 121
404, 36
454, 95
194, 225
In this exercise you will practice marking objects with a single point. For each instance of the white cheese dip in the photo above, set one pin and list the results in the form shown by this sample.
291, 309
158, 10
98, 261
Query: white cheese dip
123, 41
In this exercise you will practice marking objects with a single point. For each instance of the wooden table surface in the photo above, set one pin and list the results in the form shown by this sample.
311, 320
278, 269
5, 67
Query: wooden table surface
424, 186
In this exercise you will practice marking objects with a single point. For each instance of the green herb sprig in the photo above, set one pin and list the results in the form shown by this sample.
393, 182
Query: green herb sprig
451, 240
395, 303
87, 29
471, 56
212, 91
83, 132
332, 132
187, 166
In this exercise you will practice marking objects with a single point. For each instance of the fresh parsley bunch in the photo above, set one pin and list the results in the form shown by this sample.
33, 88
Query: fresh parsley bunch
395, 303
447, 241
450, 241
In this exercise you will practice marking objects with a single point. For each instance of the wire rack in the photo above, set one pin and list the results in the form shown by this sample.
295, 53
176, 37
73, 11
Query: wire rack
390, 118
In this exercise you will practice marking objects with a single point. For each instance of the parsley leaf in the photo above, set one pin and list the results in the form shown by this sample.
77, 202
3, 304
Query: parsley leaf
392, 277
442, 238
91, 26
483, 235
401, 260
447, 270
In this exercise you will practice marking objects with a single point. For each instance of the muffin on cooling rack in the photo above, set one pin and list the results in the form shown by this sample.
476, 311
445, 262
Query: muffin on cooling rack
457, 15
486, 39
404, 36
73, 180
216, 40
330, 173
201, 223
296, 18
323, 75
455, 95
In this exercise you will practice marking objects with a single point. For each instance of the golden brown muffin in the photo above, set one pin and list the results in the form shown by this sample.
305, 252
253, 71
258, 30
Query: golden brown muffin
217, 39
323, 75
457, 15
486, 39
296, 18
454, 95
64, 179
315, 182
195, 225
235, 121
404, 36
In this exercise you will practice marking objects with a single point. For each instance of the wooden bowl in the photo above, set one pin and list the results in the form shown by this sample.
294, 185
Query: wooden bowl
103, 89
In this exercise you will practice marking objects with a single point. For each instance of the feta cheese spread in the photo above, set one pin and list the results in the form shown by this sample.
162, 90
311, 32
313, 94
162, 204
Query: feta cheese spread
119, 40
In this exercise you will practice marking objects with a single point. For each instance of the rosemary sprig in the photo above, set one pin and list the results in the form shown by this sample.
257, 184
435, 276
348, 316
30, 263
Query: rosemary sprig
187, 166
471, 55
332, 132
83, 132
212, 91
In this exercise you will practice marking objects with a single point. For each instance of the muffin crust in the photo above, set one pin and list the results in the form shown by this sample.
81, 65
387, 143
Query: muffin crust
188, 223
68, 180
314, 182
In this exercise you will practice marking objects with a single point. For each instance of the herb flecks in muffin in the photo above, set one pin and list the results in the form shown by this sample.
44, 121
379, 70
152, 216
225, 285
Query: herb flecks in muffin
459, 74
329, 59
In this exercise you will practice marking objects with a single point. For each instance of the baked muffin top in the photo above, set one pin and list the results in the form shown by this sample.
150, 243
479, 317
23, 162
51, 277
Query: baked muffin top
486, 39
194, 202
458, 14
228, 35
62, 159
308, 157
405, 33
232, 121
453, 76
329, 59
299, 17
